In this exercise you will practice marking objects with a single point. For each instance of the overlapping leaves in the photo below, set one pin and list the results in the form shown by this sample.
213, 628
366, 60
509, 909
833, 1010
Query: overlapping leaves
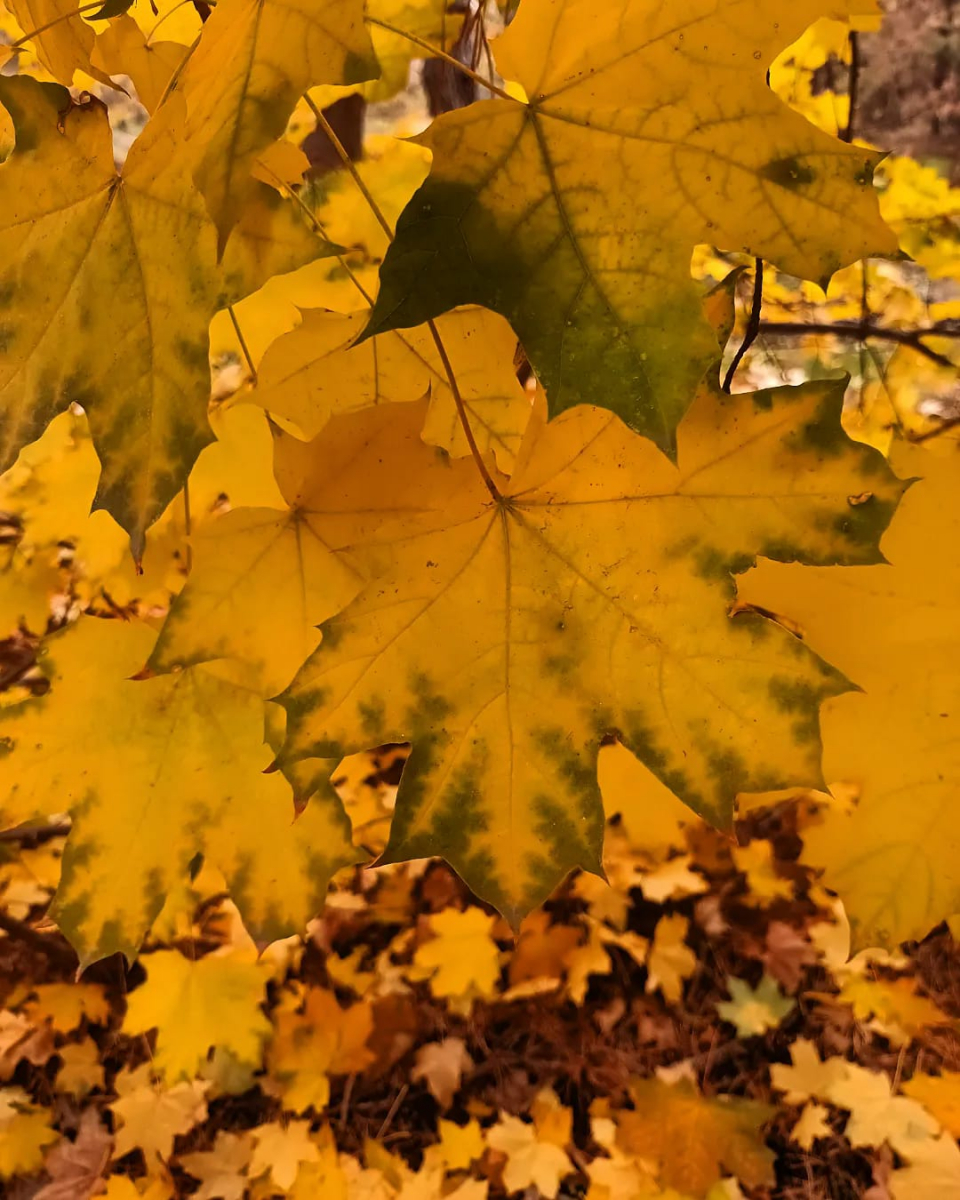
107, 286
507, 638
592, 266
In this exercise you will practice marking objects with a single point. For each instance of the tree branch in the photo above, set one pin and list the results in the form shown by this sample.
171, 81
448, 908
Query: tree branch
863, 331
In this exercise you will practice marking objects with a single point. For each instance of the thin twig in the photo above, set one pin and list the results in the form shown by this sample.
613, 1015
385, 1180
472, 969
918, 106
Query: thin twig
388, 1119
753, 326
243, 344
859, 332
435, 52
351, 166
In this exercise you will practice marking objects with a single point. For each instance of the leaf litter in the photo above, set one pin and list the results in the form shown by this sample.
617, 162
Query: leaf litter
409, 1045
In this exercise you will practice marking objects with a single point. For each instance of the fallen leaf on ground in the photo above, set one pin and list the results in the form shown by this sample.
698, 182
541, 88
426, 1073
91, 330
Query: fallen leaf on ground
754, 1010
441, 1066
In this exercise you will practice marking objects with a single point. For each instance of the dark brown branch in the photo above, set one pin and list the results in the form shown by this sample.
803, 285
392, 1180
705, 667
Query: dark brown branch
753, 326
853, 86
35, 833
861, 332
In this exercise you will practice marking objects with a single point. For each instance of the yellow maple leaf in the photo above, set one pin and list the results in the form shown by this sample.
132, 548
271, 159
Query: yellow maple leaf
151, 1116
898, 1010
194, 1005
316, 371
807, 1075
66, 40
460, 1145
122, 48
24, 1133
670, 960
160, 769
461, 961
280, 1149
939, 1095
530, 1162
641, 565
756, 862
932, 1171
754, 1010
876, 1114
65, 1005
81, 1070
221, 1170
811, 1125
147, 239
253, 61
588, 959
310, 1046
692, 1138
595, 279
892, 629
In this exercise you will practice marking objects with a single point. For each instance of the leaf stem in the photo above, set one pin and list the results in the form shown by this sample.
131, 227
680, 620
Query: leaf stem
462, 412
75, 12
318, 227
753, 326
351, 166
187, 527
243, 344
178, 71
436, 52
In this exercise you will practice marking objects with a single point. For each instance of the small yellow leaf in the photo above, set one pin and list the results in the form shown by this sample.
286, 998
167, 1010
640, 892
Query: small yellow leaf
692, 1138
876, 1114
316, 372
65, 1005
460, 1145
754, 1010
280, 1149
670, 960
222, 1170
81, 1069
24, 1133
461, 960
812, 1124
755, 860
195, 1005
530, 1162
590, 958
310, 1046
807, 1076
939, 1095
932, 1171
151, 1116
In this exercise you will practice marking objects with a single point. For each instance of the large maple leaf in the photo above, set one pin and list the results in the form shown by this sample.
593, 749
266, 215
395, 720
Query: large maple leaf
155, 771
648, 130
894, 629
107, 285
507, 639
